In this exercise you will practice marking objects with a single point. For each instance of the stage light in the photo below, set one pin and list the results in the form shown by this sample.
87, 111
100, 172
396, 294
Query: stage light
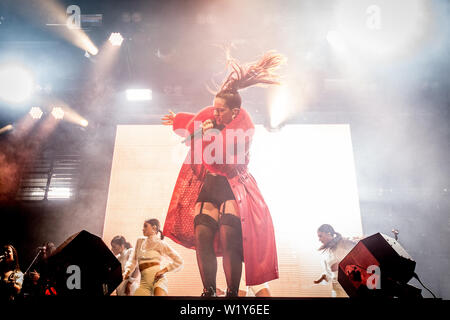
93, 50
58, 113
139, 94
59, 193
65, 21
16, 84
6, 128
84, 123
36, 113
116, 39
279, 107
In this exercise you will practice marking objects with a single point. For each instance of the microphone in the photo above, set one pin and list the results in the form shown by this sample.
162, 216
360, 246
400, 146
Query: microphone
198, 132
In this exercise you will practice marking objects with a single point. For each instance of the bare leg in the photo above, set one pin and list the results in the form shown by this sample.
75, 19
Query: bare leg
263, 293
159, 292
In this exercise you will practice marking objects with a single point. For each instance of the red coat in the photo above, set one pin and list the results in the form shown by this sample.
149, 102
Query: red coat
260, 255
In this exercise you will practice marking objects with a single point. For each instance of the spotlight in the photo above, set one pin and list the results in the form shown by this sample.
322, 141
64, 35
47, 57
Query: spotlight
116, 39
58, 113
139, 94
279, 108
6, 128
16, 84
36, 113
84, 123
93, 51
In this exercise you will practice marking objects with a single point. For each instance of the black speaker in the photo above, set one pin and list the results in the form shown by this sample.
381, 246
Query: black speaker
84, 265
377, 266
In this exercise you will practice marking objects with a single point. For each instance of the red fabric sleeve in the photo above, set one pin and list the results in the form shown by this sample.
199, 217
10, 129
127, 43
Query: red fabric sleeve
181, 121
186, 121
185, 124
204, 114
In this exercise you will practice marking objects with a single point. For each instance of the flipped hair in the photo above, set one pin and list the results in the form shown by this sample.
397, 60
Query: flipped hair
261, 72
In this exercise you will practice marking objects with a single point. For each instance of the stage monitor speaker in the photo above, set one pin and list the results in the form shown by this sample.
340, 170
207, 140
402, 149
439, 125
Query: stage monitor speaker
84, 265
381, 262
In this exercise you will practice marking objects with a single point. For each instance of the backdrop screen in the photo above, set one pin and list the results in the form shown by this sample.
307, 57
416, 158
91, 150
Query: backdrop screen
306, 174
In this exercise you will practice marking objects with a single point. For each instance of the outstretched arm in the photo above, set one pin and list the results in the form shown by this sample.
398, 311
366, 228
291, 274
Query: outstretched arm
322, 278
167, 119
180, 122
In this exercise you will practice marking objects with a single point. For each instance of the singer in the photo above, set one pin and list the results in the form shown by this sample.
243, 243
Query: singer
11, 278
216, 206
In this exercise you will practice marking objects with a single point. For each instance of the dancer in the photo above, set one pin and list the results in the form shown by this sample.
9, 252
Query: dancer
148, 253
334, 248
216, 207
123, 251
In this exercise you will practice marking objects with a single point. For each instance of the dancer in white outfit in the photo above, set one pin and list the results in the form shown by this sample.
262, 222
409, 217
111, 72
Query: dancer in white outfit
334, 248
148, 253
123, 252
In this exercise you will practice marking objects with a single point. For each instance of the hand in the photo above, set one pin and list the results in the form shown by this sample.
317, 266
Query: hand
34, 276
159, 274
323, 277
208, 124
167, 119
126, 275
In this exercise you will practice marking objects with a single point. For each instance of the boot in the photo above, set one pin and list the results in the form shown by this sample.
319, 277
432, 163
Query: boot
209, 292
232, 292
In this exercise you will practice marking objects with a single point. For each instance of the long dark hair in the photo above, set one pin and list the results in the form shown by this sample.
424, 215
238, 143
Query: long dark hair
14, 265
261, 72
120, 241
155, 222
326, 228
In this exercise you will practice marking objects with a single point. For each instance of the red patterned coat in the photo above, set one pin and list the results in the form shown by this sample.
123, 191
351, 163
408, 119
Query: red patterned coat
260, 255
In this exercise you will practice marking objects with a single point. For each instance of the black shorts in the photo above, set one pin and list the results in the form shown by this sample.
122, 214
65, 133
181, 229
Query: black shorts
216, 190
